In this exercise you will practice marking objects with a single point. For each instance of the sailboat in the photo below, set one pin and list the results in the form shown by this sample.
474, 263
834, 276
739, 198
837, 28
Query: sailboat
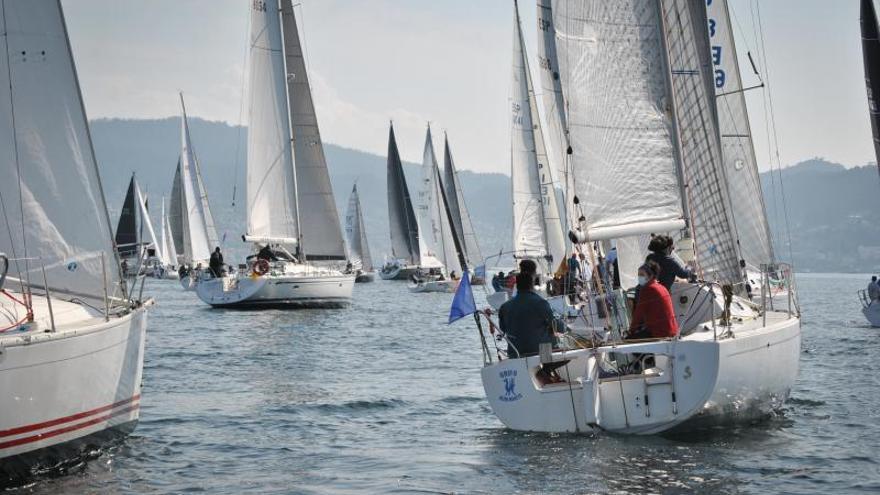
461, 218
537, 226
191, 212
361, 264
871, 55
291, 215
71, 334
406, 241
167, 249
439, 267
638, 85
136, 240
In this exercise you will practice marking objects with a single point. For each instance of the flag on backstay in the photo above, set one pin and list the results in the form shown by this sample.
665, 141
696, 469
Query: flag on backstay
463, 303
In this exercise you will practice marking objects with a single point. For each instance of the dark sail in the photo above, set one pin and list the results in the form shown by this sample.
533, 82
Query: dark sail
452, 197
175, 212
401, 217
126, 229
871, 53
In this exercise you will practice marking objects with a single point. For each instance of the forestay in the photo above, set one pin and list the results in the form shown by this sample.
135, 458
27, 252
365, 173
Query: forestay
690, 67
537, 228
320, 229
461, 218
53, 208
401, 217
620, 127
271, 185
737, 148
358, 248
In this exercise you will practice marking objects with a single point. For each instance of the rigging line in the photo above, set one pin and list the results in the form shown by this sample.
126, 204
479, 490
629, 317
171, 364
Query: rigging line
241, 103
775, 136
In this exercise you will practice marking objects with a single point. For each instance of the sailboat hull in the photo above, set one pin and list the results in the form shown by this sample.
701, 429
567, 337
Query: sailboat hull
281, 291
68, 391
698, 381
365, 277
398, 272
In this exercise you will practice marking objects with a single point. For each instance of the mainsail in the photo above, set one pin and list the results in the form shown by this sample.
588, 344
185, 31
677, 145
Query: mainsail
434, 227
871, 55
320, 229
272, 214
198, 225
175, 212
52, 201
126, 228
537, 228
737, 148
358, 249
461, 218
401, 217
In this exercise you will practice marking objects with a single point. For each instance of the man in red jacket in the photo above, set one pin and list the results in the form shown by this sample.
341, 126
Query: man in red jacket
653, 316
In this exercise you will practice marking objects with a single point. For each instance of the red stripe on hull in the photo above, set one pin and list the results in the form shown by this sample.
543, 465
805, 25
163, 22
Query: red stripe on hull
54, 422
66, 429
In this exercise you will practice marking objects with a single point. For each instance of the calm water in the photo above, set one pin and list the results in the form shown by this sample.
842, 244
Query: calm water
384, 397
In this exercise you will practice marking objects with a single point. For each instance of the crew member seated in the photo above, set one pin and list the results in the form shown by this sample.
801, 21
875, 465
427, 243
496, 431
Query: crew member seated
661, 247
653, 316
267, 254
498, 282
527, 321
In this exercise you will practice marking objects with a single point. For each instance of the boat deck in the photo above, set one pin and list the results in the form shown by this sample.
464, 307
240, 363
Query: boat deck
704, 332
67, 316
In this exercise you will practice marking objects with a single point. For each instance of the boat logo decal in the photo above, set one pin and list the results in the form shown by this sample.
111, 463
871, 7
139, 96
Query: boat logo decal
687, 372
72, 266
510, 393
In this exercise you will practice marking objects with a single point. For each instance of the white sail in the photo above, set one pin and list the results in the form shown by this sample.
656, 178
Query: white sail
620, 128
146, 223
460, 215
210, 227
691, 76
320, 229
537, 228
554, 102
167, 251
358, 249
738, 151
435, 231
271, 186
53, 206
198, 243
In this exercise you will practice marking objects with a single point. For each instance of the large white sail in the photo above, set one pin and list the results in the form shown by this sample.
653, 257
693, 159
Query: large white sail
693, 91
461, 217
554, 102
620, 127
435, 230
737, 148
167, 251
537, 228
271, 186
53, 206
356, 236
320, 229
405, 237
199, 239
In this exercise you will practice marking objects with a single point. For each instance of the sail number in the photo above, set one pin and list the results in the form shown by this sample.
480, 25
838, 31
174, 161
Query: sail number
260, 5
717, 50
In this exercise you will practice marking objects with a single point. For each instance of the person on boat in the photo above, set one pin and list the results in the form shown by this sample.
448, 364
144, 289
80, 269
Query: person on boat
661, 247
453, 275
653, 316
510, 281
873, 289
215, 264
528, 321
266, 253
498, 282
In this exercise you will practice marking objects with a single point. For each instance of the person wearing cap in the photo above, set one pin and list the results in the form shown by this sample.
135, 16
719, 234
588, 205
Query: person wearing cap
661, 247
653, 316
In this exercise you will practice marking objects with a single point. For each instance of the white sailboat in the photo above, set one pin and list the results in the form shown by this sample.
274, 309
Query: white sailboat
290, 206
167, 251
641, 106
406, 243
439, 268
361, 263
198, 235
461, 218
71, 335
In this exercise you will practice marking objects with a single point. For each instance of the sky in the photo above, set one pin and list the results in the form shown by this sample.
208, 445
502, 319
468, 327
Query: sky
448, 63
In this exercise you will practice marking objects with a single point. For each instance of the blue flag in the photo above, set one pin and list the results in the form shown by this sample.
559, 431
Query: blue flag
463, 303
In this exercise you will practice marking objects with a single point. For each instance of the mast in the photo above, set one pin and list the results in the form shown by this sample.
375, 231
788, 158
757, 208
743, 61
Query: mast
871, 56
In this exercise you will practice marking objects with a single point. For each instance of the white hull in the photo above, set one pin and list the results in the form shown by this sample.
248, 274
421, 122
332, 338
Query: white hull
61, 388
696, 379
397, 272
435, 286
290, 290
871, 310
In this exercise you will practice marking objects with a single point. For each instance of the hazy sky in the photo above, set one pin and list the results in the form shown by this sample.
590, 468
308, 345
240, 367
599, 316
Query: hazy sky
447, 62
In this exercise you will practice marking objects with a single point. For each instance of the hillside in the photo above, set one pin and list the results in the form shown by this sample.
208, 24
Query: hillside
831, 208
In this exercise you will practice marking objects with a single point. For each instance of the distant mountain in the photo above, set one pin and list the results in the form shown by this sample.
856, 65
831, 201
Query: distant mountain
832, 210
150, 148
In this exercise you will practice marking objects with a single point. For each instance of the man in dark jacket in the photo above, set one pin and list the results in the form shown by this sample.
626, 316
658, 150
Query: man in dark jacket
527, 319
216, 262
661, 247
